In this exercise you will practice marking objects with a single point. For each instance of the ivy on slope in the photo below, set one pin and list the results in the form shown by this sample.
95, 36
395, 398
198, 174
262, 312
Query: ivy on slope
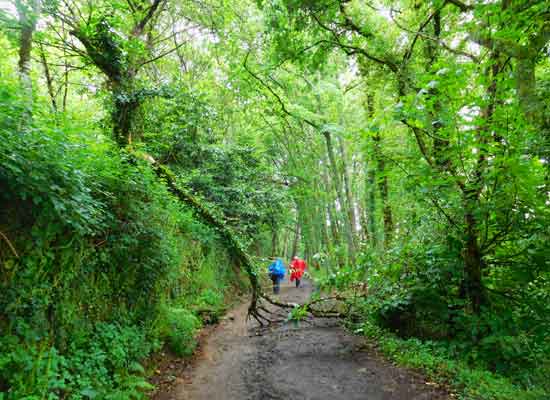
214, 220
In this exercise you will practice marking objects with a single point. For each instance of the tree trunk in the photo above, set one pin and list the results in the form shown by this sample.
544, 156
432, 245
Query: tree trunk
472, 255
284, 248
440, 144
340, 198
296, 239
230, 241
370, 184
363, 221
326, 243
350, 206
331, 218
529, 101
473, 259
372, 226
273, 240
331, 211
386, 207
124, 108
305, 230
382, 180
28, 15
48, 76
66, 70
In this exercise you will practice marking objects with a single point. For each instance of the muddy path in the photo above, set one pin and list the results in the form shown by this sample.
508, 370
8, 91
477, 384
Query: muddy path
312, 360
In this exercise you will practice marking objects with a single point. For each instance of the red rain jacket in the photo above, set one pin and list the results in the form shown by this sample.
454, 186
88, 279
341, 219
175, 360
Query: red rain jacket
297, 268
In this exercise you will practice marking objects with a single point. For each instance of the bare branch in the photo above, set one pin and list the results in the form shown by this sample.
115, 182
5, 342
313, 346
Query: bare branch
420, 140
140, 26
352, 50
173, 49
9, 244
351, 25
463, 7
279, 100
419, 33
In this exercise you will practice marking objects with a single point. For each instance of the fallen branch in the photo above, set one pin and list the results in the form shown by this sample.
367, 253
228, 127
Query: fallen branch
9, 244
232, 244
309, 306
236, 250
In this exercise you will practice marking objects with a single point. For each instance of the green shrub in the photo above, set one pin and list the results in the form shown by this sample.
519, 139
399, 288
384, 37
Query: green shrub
182, 330
433, 359
415, 293
101, 364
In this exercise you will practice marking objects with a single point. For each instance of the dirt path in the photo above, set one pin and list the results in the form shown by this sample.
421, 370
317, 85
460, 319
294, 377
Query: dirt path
314, 360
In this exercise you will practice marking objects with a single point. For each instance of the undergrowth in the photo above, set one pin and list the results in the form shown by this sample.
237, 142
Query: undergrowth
407, 299
437, 363
417, 320
100, 266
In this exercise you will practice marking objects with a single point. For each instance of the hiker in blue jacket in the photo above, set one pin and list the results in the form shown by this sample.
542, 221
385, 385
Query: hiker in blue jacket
276, 274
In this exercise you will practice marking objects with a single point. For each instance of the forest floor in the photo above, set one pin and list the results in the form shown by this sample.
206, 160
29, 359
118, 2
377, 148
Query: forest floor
310, 360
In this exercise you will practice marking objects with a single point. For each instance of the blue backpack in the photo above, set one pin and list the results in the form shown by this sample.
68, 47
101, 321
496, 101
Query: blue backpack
277, 268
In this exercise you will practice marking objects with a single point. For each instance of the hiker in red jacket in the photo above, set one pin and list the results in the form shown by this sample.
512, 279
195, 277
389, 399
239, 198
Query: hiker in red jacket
297, 268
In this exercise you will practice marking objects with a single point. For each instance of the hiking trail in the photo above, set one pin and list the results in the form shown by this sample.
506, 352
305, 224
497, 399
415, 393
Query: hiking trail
310, 360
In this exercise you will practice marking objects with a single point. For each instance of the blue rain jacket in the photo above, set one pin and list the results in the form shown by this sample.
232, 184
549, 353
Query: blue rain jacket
277, 268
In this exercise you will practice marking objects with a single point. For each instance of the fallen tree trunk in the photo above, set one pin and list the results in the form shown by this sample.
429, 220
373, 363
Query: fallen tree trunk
231, 242
237, 251
309, 306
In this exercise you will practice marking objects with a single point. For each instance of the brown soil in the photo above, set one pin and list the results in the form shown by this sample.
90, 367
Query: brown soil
311, 360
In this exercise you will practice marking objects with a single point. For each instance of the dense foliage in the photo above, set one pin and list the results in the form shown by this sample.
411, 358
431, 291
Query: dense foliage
402, 147
108, 263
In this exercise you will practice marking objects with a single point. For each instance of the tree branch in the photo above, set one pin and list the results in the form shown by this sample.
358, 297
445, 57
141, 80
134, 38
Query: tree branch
421, 144
173, 49
350, 24
351, 50
279, 100
462, 6
419, 33
140, 26
9, 244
